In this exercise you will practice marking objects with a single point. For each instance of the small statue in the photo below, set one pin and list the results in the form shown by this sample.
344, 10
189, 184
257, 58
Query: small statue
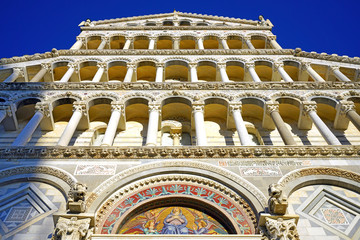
76, 198
277, 202
87, 23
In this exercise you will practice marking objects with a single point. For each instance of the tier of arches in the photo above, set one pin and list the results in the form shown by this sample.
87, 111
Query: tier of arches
178, 22
181, 70
175, 120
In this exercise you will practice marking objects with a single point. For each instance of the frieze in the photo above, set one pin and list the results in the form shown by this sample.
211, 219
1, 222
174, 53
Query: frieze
183, 86
79, 152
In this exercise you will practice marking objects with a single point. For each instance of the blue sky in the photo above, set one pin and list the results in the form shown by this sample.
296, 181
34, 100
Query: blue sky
331, 26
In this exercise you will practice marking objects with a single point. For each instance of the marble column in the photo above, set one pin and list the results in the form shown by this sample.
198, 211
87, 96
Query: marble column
25, 135
128, 41
78, 44
193, 72
129, 72
200, 42
99, 73
251, 68
176, 41
244, 137
273, 42
273, 110
153, 125
112, 124
247, 40
313, 73
159, 72
198, 111
152, 42
45, 68
17, 72
72, 68
310, 109
348, 108
224, 42
280, 68
223, 74
339, 75
78, 109
104, 41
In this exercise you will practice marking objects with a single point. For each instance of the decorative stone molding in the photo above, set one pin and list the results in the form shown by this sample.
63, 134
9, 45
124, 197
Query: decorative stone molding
281, 229
76, 198
180, 152
72, 229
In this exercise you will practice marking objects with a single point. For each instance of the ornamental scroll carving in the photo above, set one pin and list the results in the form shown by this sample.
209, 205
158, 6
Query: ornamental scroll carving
280, 229
72, 229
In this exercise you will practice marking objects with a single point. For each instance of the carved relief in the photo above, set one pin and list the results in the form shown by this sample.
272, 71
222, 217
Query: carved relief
76, 198
72, 229
280, 229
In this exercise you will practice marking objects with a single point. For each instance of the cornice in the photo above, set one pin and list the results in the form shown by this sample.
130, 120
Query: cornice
182, 14
328, 57
79, 152
28, 86
211, 27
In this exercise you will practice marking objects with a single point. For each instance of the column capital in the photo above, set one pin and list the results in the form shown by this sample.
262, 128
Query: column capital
309, 106
153, 38
193, 65
80, 39
272, 107
272, 37
159, 65
198, 107
102, 65
200, 38
221, 65
131, 38
20, 71
79, 106
7, 109
346, 106
116, 106
73, 228
249, 65
281, 229
223, 38
235, 107
278, 65
105, 38
44, 108
73, 65
176, 38
154, 107
335, 68
247, 38
46, 66
130, 65
305, 65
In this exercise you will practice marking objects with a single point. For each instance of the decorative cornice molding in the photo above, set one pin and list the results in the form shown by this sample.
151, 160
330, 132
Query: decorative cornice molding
80, 152
104, 86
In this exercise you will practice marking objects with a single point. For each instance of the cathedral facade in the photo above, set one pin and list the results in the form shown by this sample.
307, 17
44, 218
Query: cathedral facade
172, 125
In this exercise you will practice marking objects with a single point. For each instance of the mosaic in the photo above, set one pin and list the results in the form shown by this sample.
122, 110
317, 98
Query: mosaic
334, 216
211, 196
172, 220
260, 171
95, 169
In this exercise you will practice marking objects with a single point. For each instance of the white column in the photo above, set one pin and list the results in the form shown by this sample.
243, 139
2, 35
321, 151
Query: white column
274, 43
17, 72
112, 125
224, 43
102, 45
313, 73
176, 41
69, 72
128, 42
159, 72
223, 74
330, 138
152, 42
339, 75
45, 67
283, 73
251, 68
200, 42
198, 111
193, 72
78, 44
248, 43
40, 111
101, 69
68, 133
129, 72
153, 125
240, 125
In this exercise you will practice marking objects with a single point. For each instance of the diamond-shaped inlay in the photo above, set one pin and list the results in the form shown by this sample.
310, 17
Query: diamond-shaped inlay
18, 214
334, 216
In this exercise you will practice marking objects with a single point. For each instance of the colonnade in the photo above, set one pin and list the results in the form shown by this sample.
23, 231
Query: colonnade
249, 67
308, 108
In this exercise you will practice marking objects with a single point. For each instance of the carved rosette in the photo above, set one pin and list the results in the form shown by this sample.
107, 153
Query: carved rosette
72, 229
280, 229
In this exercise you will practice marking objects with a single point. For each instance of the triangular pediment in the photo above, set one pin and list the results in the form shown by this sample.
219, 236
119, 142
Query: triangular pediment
192, 18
